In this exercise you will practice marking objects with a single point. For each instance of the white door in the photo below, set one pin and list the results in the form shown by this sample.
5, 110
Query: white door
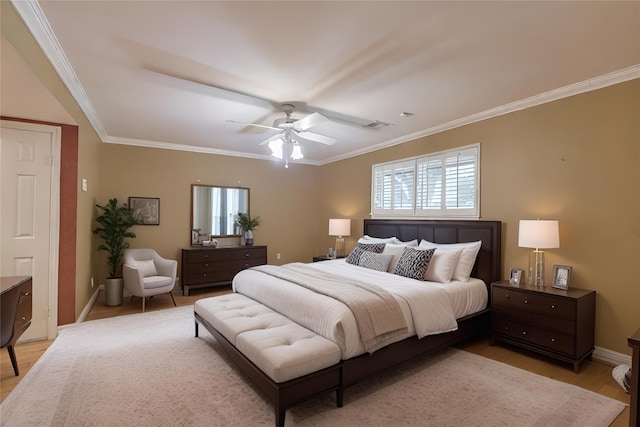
29, 216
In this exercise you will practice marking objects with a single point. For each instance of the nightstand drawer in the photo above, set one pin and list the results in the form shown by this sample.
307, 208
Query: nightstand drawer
530, 334
547, 305
565, 326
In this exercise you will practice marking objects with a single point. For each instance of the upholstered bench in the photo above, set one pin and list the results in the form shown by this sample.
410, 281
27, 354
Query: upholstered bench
262, 340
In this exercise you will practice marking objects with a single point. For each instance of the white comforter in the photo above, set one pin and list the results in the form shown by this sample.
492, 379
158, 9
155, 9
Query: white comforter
429, 307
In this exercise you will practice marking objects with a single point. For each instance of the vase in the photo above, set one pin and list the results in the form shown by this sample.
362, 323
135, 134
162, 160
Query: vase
248, 238
113, 288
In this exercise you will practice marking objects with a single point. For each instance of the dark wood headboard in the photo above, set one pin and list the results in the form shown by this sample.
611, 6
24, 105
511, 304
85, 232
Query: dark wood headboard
488, 265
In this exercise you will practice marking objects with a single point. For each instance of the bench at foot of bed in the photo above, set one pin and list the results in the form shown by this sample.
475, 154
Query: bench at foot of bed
288, 362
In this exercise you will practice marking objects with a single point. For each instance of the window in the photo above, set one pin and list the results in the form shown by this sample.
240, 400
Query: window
443, 184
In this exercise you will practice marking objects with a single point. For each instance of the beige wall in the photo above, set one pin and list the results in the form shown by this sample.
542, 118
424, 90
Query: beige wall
575, 160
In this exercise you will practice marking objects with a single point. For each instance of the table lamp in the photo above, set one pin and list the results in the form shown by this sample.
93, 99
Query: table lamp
339, 228
538, 234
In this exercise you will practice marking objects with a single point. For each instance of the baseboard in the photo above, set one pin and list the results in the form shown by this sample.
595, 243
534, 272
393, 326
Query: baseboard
87, 308
611, 357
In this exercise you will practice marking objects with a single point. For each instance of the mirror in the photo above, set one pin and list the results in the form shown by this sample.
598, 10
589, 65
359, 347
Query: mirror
214, 209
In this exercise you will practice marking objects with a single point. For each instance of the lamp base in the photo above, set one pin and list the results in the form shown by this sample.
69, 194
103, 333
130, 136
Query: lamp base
340, 247
536, 268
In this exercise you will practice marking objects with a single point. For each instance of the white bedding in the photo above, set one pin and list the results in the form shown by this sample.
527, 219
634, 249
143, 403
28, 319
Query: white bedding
429, 307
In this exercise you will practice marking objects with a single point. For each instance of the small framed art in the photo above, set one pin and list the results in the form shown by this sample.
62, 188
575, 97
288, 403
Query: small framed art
146, 210
515, 276
561, 274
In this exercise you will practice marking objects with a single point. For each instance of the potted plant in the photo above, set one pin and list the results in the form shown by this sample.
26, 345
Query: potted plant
115, 222
246, 223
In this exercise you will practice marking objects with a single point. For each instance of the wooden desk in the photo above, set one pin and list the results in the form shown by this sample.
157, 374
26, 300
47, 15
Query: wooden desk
634, 343
15, 300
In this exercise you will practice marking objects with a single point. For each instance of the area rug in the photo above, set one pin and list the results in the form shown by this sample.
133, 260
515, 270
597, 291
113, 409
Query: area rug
149, 369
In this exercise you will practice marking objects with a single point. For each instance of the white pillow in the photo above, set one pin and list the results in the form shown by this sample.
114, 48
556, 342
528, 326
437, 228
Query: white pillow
369, 239
413, 243
442, 265
147, 268
467, 256
395, 251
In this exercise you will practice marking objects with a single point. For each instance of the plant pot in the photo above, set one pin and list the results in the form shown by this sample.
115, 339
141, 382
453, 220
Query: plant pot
248, 238
113, 288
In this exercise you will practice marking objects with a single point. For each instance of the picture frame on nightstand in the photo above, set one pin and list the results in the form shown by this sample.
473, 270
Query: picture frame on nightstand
561, 274
515, 275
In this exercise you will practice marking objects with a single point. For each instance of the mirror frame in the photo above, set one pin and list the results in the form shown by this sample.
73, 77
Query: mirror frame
217, 186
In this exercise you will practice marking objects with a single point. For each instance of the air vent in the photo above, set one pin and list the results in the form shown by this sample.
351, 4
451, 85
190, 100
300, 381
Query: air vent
377, 124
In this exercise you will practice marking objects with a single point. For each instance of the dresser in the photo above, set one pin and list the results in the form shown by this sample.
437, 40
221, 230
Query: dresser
554, 322
206, 266
15, 300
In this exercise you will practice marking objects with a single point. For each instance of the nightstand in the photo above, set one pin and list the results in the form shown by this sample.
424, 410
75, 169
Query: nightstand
554, 322
324, 258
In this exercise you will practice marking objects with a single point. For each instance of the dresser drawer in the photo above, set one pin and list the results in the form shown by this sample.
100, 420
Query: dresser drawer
558, 324
205, 255
539, 303
249, 252
550, 340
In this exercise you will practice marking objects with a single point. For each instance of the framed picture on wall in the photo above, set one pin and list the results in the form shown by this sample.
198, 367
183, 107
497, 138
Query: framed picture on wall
561, 274
146, 210
515, 275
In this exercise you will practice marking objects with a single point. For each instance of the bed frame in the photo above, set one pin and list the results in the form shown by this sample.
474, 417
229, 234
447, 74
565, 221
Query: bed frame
349, 372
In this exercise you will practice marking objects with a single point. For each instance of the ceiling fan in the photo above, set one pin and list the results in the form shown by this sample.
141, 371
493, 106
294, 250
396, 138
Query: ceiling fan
283, 145
298, 127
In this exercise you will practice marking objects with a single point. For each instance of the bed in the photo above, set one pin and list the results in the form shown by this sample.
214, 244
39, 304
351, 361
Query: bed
359, 358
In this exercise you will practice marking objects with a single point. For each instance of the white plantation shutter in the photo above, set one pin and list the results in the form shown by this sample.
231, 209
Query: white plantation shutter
443, 184
393, 188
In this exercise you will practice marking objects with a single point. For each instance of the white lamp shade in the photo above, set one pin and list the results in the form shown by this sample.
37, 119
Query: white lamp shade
539, 234
339, 227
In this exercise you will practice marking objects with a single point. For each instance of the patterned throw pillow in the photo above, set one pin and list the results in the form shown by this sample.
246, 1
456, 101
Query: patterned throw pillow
375, 261
413, 263
359, 248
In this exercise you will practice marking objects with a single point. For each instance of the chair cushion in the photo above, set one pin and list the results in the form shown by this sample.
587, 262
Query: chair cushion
154, 282
146, 267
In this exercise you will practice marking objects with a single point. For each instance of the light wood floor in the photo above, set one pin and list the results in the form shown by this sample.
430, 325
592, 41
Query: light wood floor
594, 375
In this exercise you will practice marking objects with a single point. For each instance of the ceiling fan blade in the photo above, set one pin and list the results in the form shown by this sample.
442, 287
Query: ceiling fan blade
310, 121
253, 124
316, 137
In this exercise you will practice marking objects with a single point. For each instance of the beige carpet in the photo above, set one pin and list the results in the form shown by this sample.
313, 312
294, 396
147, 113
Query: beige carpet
148, 369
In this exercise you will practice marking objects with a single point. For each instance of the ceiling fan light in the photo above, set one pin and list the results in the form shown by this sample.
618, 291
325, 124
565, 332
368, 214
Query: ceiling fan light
296, 153
276, 148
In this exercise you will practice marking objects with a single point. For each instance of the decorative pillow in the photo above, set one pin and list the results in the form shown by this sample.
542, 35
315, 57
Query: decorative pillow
413, 263
359, 248
375, 261
442, 264
395, 251
467, 256
147, 268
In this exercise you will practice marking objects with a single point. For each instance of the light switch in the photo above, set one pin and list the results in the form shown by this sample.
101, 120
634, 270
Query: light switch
84, 184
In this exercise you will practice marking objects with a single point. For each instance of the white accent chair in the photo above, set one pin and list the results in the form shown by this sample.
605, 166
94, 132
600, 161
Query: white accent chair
147, 274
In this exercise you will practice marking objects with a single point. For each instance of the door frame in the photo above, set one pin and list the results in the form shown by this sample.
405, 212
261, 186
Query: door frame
54, 218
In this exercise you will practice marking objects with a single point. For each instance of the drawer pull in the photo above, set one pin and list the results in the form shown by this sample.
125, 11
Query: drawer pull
524, 332
507, 296
24, 318
246, 255
204, 275
553, 306
553, 340
506, 328
526, 301
206, 256
206, 265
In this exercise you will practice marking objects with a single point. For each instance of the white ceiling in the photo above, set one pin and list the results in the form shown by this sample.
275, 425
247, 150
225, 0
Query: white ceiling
172, 73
